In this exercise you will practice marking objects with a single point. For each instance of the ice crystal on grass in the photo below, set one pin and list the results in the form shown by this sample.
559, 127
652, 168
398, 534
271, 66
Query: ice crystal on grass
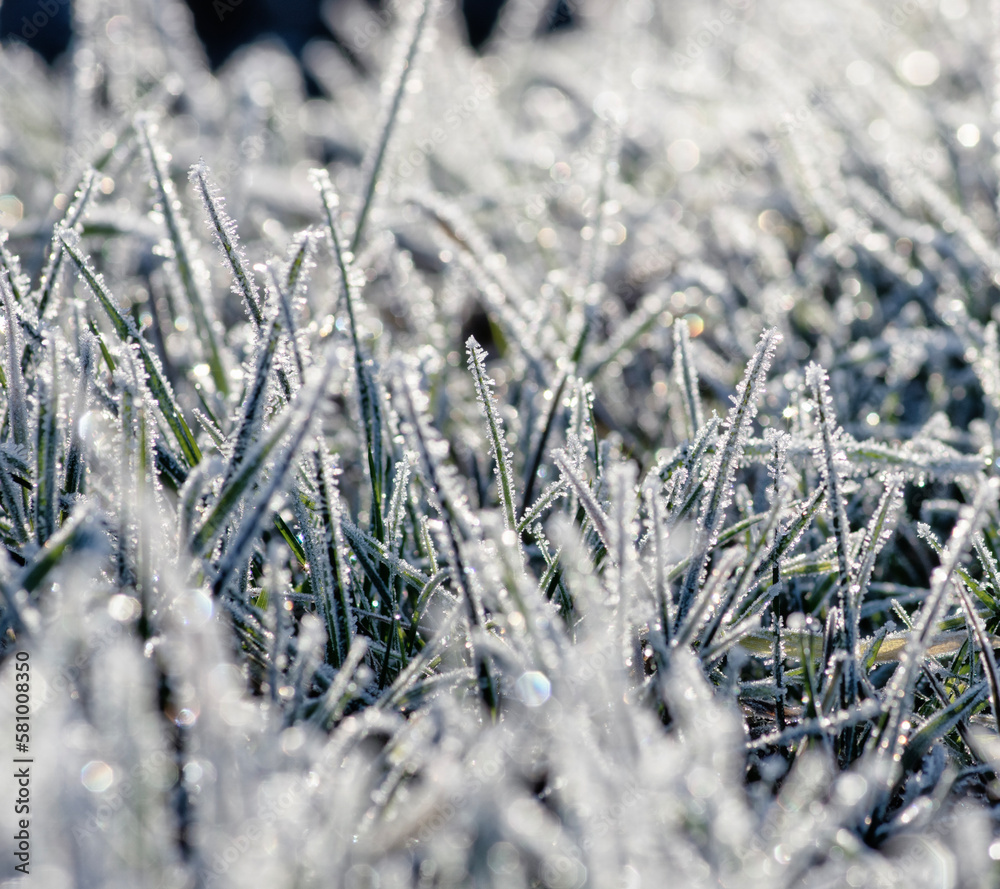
394, 90
224, 227
17, 410
720, 478
179, 248
501, 455
687, 378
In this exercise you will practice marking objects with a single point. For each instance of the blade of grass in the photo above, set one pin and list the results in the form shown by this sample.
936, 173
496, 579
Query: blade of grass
331, 518
125, 328
985, 649
826, 458
445, 498
368, 393
887, 744
254, 400
404, 65
721, 478
687, 377
228, 240
539, 452
301, 414
71, 221
182, 250
20, 284
242, 481
46, 447
498, 443
17, 406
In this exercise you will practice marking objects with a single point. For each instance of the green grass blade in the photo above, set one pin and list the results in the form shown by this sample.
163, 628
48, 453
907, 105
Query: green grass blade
377, 553
687, 377
498, 443
368, 390
548, 497
937, 726
598, 517
71, 220
243, 480
404, 66
301, 414
331, 518
80, 532
20, 284
17, 404
826, 458
448, 501
125, 328
46, 449
989, 564
538, 454
888, 744
181, 251
15, 481
75, 473
877, 534
721, 478
224, 227
985, 650
254, 400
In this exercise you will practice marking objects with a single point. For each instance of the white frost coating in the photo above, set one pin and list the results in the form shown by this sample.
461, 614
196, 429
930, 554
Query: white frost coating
227, 238
286, 627
736, 431
498, 444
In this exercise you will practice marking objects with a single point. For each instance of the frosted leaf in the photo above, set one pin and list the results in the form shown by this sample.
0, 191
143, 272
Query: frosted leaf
47, 442
227, 238
323, 543
830, 459
20, 284
581, 423
901, 687
843, 619
779, 442
687, 377
288, 320
595, 512
442, 487
181, 249
16, 394
498, 443
411, 45
397, 503
720, 478
298, 417
254, 402
545, 500
370, 393
126, 330
71, 222
877, 534
449, 501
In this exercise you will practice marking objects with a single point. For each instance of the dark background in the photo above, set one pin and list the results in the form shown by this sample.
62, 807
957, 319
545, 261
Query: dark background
295, 22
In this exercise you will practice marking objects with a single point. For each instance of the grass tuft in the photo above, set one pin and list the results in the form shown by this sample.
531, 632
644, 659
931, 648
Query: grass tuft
458, 526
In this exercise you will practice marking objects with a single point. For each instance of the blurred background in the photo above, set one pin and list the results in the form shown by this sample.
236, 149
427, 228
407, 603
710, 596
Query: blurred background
226, 25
